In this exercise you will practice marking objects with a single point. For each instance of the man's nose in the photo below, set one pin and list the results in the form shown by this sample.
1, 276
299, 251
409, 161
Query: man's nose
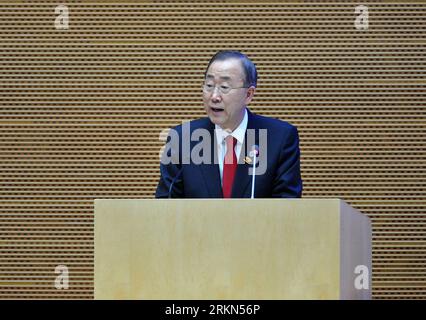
216, 96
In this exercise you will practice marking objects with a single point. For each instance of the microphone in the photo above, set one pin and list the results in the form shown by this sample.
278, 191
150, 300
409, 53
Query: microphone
173, 182
253, 153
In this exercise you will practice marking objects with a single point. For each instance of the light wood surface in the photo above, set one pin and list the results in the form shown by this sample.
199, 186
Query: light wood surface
233, 249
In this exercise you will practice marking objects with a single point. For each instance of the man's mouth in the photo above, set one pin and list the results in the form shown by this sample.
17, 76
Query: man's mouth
216, 110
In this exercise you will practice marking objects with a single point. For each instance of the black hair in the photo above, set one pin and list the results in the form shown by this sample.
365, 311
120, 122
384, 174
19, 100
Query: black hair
248, 66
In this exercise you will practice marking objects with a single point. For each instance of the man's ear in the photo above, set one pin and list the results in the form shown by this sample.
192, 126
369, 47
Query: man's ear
250, 94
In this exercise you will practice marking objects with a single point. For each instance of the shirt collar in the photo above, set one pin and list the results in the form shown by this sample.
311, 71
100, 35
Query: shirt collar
238, 133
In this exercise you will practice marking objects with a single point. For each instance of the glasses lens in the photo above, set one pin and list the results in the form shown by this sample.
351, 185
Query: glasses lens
208, 87
224, 89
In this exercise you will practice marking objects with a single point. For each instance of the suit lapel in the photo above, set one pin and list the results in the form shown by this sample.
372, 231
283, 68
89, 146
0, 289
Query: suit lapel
242, 178
210, 172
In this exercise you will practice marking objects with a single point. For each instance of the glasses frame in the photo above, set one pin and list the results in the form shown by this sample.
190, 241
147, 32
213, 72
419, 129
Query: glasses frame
203, 87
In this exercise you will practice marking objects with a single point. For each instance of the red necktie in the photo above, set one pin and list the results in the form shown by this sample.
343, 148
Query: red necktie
229, 166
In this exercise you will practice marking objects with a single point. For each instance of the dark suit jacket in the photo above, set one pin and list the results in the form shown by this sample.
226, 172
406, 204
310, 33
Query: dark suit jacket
282, 178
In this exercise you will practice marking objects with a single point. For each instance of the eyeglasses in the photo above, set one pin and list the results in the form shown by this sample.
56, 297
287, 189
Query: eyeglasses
209, 88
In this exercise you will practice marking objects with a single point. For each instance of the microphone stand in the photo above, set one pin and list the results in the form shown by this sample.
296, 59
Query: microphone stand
253, 177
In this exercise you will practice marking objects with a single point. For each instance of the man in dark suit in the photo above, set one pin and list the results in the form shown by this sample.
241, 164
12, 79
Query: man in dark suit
217, 156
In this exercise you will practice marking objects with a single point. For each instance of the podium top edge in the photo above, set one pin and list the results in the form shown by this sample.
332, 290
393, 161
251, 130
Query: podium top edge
221, 199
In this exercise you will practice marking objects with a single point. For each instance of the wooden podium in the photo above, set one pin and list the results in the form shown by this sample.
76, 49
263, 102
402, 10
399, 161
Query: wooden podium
230, 249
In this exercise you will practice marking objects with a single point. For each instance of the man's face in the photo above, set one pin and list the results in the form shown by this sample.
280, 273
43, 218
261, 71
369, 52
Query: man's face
226, 110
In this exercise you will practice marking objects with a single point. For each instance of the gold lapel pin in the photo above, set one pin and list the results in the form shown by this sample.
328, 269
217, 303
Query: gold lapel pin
248, 160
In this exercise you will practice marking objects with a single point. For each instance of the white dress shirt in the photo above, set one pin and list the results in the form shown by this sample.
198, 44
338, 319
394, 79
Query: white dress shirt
221, 135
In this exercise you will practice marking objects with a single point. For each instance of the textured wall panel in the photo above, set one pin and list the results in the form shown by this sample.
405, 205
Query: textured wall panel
81, 113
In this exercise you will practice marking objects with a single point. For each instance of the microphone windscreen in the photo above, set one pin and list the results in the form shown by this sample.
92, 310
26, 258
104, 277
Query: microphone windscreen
254, 150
